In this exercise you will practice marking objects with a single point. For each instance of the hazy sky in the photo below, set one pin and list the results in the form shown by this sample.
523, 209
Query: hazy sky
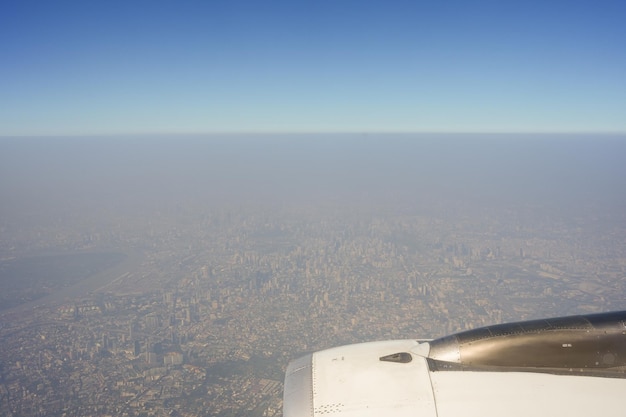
102, 67
39, 176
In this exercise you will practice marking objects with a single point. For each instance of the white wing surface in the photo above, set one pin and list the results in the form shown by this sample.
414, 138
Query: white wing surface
572, 366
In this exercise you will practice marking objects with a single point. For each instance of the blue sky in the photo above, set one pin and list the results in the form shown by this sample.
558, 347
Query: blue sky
109, 67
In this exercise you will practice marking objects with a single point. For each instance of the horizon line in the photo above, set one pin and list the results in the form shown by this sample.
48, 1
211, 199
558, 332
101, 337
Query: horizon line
321, 132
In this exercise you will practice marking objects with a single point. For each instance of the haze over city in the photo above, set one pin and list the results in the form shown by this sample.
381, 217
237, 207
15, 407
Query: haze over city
194, 194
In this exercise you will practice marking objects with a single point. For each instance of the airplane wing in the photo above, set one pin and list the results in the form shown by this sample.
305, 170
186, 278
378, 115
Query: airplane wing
573, 366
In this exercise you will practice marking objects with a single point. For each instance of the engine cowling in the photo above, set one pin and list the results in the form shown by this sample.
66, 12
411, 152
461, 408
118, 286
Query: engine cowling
589, 343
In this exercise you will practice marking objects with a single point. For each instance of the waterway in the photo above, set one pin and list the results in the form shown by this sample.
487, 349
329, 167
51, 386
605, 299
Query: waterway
55, 279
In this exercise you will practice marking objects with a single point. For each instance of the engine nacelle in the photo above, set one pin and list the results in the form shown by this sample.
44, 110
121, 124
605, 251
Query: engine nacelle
589, 343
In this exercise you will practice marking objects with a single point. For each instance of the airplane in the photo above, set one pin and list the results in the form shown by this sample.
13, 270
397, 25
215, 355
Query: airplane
566, 366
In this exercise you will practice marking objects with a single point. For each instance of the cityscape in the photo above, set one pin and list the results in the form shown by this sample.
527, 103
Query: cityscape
193, 195
196, 309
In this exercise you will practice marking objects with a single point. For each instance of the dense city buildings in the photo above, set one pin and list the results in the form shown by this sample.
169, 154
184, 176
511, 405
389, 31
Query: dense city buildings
206, 307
